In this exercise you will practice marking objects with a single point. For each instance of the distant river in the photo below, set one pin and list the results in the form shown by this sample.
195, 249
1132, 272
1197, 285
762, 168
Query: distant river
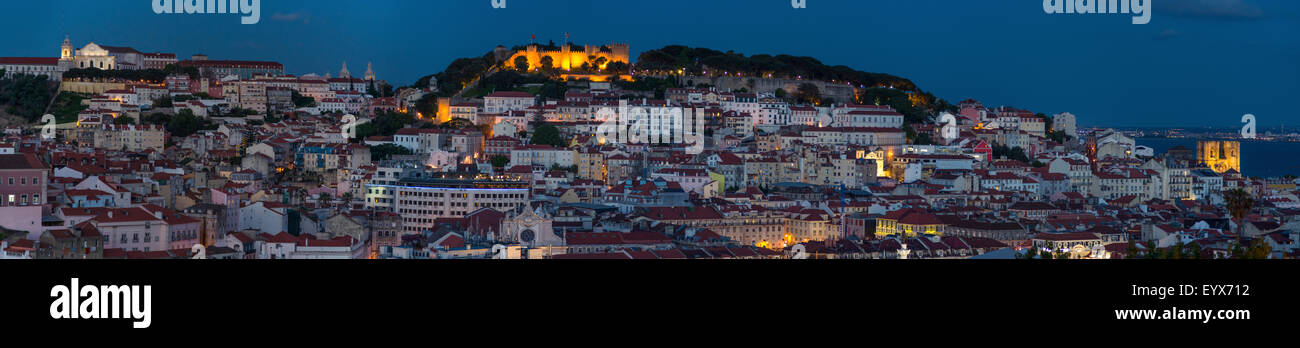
1258, 158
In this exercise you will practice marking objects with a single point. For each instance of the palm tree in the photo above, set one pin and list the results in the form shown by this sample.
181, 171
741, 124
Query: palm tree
1239, 204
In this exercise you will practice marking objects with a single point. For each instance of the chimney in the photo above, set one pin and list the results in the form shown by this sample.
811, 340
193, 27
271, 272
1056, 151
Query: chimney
110, 213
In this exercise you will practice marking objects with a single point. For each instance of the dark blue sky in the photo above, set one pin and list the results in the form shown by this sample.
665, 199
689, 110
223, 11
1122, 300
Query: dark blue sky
1198, 63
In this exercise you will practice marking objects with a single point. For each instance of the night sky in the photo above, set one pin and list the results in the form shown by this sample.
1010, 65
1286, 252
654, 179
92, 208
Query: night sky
1198, 63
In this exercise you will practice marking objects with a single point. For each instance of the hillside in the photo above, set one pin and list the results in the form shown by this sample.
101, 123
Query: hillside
657, 70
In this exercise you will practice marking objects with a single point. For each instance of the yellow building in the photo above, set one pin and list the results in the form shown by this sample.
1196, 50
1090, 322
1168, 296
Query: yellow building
1219, 156
909, 223
130, 137
591, 164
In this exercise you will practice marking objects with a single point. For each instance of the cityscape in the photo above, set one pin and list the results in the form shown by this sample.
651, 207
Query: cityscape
504, 156
537, 149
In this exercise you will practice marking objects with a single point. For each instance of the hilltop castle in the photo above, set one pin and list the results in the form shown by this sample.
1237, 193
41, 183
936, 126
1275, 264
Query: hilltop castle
566, 58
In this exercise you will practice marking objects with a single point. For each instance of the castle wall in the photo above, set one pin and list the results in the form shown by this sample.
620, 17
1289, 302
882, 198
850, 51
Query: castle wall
565, 59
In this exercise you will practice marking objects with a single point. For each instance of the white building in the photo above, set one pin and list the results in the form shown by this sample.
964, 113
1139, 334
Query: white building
264, 217
501, 102
1064, 122
48, 67
543, 155
421, 202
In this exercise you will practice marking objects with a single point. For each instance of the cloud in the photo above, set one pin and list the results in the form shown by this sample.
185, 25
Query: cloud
291, 17
1168, 34
1241, 10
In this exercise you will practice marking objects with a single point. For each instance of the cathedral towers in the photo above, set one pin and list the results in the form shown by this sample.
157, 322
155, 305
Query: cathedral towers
1220, 156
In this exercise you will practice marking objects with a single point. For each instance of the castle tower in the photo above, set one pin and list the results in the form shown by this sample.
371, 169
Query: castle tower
566, 59
502, 53
620, 53
531, 55
345, 73
370, 71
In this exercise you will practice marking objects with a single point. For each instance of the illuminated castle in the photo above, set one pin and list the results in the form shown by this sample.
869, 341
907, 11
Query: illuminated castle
1220, 156
565, 58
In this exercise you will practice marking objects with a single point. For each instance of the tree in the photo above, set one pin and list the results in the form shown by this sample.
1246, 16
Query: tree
1259, 250
808, 93
617, 67
184, 124
156, 118
1175, 252
521, 63
500, 161
547, 64
1059, 136
1131, 252
553, 90
547, 134
1016, 153
1193, 251
1031, 253
300, 101
427, 105
923, 139
387, 151
25, 95
386, 123
1239, 203
123, 120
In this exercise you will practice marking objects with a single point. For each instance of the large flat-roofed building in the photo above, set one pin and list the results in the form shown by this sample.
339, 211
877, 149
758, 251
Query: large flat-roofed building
131, 137
158, 61
242, 68
48, 67
422, 200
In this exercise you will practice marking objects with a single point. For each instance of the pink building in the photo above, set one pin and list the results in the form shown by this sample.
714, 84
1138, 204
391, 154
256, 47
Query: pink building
131, 229
22, 180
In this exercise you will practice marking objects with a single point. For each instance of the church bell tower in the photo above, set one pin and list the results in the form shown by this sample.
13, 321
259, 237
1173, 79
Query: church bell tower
65, 54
